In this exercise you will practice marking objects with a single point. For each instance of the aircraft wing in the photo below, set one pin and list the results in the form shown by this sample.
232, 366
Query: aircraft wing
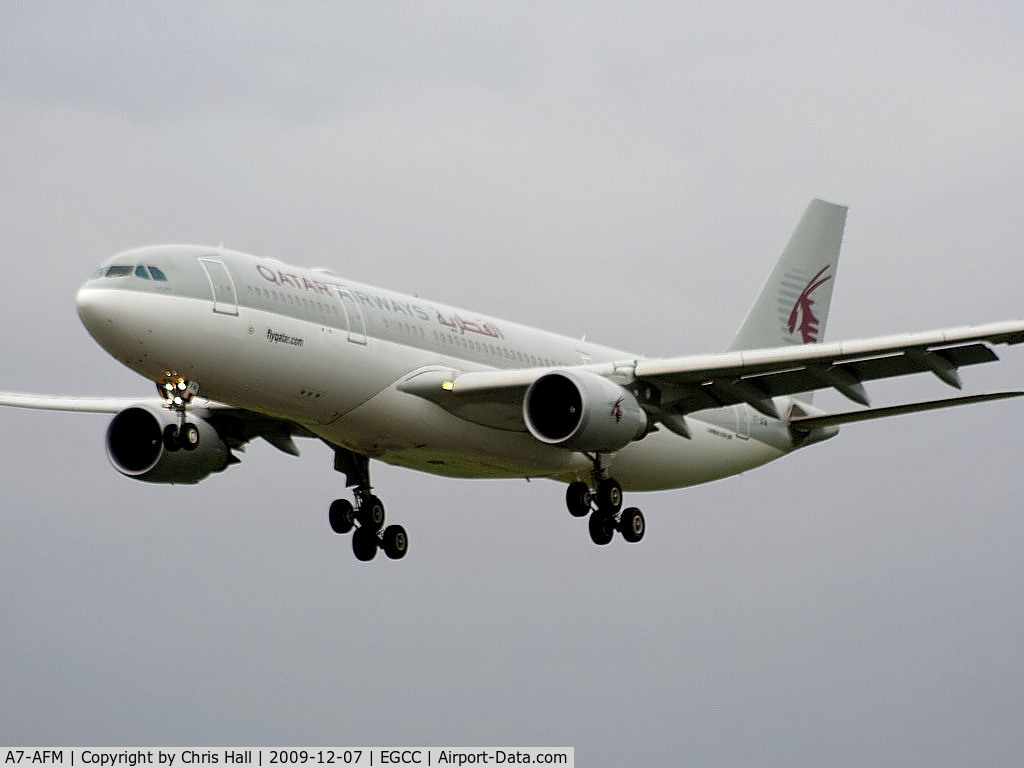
682, 385
237, 425
694, 383
79, 404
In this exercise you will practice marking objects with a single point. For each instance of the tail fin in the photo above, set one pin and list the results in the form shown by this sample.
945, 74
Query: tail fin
793, 305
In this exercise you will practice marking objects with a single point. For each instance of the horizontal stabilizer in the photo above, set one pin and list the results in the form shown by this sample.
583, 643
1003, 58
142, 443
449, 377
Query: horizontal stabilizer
808, 423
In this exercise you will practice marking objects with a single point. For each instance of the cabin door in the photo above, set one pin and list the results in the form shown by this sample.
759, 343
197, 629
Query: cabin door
225, 300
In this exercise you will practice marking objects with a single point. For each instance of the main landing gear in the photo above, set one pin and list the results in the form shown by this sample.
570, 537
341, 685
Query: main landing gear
177, 392
366, 516
602, 500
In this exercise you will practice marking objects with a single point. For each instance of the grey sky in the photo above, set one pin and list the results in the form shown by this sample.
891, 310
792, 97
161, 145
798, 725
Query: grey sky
625, 171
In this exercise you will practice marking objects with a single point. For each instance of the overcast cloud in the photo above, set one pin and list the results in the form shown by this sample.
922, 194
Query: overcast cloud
625, 171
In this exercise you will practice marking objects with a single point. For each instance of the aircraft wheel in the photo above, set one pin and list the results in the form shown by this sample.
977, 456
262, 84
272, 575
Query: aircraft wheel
371, 513
170, 438
609, 496
395, 542
632, 524
188, 436
342, 516
602, 527
577, 499
364, 544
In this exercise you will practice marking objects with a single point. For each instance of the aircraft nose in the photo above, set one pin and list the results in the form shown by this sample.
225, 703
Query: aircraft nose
96, 308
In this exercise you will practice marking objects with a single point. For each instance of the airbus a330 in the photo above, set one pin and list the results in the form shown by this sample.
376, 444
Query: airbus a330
241, 347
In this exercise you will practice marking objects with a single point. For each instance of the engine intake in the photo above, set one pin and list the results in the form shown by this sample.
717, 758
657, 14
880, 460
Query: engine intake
581, 411
135, 446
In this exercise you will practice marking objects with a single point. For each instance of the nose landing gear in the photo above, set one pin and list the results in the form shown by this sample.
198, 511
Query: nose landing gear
177, 392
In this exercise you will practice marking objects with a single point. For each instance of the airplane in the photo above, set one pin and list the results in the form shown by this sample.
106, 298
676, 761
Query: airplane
279, 351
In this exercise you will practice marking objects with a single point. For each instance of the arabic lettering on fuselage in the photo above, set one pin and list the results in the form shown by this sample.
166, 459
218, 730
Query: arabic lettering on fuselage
463, 326
454, 322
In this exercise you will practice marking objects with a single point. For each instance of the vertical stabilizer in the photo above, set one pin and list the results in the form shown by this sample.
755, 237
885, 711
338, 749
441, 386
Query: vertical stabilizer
793, 305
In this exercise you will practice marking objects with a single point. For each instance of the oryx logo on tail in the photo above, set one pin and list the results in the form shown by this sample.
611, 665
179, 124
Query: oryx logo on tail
802, 317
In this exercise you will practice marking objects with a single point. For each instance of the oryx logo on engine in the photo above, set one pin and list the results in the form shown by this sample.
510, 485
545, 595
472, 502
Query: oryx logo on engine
617, 410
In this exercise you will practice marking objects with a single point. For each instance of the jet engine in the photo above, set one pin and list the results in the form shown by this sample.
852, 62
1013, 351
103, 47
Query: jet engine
581, 411
137, 447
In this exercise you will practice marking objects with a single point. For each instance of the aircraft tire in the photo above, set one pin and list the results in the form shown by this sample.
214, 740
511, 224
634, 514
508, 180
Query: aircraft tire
632, 524
395, 542
364, 544
341, 516
371, 513
188, 436
609, 496
602, 527
577, 499
170, 437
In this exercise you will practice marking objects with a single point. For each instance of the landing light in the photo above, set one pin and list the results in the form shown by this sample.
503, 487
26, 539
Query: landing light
176, 390
448, 386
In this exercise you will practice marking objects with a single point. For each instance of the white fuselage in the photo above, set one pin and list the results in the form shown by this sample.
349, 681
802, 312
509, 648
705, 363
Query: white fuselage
329, 354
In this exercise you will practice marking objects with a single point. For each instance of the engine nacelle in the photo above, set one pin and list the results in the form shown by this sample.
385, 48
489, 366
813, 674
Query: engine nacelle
581, 411
135, 446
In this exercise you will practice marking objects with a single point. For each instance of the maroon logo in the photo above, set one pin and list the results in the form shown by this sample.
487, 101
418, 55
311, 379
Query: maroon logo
802, 317
617, 410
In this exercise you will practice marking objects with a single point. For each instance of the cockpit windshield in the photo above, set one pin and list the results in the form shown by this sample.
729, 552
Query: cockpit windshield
150, 273
146, 272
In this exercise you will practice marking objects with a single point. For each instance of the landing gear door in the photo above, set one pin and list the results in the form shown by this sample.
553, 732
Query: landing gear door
225, 300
